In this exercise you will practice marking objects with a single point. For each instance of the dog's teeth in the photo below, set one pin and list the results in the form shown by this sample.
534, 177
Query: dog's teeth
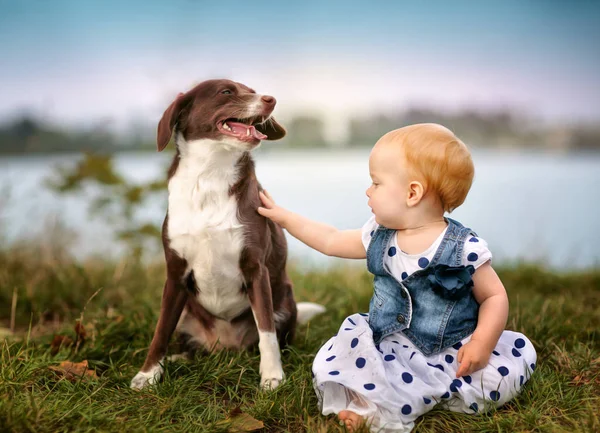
226, 126
247, 132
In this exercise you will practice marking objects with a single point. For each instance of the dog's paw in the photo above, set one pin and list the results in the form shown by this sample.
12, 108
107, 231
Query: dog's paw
269, 384
147, 378
271, 371
272, 376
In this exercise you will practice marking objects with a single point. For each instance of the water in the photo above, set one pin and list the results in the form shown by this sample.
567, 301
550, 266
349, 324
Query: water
528, 206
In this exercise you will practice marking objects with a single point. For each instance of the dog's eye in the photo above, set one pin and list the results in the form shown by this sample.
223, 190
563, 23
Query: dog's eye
226, 92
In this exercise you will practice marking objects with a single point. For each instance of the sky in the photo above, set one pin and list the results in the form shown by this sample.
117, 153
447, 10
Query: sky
77, 62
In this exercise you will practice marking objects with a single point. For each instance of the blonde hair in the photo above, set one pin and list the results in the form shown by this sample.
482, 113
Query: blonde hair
439, 159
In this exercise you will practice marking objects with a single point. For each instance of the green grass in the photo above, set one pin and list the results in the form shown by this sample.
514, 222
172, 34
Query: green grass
559, 312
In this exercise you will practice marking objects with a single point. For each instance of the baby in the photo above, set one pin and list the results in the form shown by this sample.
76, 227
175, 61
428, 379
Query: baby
434, 334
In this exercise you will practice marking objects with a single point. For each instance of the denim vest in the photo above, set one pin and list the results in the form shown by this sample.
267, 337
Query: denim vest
432, 317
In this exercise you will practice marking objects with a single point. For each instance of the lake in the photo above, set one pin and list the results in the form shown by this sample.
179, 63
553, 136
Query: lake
529, 206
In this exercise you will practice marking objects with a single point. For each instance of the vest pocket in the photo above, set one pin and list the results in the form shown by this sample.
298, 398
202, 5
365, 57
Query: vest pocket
378, 299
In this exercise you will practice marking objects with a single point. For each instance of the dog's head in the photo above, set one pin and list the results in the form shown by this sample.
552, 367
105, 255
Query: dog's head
223, 111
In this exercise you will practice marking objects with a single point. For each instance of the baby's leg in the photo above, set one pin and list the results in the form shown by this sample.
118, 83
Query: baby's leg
510, 366
364, 383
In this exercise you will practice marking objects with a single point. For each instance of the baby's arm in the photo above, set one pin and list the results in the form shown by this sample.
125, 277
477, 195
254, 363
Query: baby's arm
493, 305
321, 237
493, 313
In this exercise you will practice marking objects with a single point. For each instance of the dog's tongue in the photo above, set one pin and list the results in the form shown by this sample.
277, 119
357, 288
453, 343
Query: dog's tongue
242, 130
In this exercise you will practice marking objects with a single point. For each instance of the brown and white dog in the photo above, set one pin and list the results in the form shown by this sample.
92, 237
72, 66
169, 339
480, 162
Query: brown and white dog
227, 285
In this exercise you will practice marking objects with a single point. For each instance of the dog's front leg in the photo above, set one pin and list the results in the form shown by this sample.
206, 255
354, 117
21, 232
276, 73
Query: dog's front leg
173, 301
261, 300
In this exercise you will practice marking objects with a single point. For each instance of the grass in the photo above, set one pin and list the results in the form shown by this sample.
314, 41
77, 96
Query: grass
43, 293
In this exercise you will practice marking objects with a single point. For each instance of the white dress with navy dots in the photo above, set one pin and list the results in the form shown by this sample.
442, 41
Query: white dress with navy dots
393, 384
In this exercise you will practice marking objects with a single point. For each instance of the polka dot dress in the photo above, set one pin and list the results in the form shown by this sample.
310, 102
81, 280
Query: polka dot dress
393, 383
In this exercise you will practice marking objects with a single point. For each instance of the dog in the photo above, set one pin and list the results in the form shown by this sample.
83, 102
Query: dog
226, 285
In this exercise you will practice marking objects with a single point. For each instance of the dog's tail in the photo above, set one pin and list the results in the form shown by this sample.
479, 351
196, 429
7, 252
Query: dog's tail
308, 310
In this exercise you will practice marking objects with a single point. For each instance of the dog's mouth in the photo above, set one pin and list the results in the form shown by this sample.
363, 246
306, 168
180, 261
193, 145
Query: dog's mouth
243, 129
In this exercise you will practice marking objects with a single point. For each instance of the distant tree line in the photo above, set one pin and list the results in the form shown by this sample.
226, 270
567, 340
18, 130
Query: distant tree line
27, 134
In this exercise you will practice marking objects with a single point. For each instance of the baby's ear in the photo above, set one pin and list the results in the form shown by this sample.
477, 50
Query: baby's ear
415, 193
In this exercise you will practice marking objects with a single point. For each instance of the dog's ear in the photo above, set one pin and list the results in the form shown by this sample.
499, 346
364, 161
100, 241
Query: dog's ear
272, 129
168, 121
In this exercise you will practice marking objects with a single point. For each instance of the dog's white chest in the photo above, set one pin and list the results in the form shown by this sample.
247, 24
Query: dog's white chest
204, 229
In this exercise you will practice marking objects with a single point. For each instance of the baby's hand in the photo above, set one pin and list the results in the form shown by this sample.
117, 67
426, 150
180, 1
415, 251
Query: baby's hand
271, 210
471, 357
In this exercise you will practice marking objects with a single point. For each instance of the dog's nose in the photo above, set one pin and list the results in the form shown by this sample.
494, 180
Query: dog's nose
269, 100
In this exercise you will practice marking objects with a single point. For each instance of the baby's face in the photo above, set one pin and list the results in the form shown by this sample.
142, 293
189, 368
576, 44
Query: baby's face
389, 188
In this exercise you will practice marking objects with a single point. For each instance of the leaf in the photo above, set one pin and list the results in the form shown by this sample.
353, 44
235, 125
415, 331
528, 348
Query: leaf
74, 371
241, 422
80, 332
60, 341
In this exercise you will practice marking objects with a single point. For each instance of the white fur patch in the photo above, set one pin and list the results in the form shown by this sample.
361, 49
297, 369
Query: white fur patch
307, 310
203, 225
148, 378
271, 370
255, 107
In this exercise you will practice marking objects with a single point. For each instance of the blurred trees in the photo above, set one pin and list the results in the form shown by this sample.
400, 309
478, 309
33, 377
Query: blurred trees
27, 134
113, 198
479, 129
305, 131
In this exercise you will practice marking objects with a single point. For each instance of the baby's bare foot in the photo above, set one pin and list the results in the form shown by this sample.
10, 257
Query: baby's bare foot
351, 420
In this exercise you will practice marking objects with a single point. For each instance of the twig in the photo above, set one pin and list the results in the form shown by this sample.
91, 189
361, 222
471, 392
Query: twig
13, 310
81, 316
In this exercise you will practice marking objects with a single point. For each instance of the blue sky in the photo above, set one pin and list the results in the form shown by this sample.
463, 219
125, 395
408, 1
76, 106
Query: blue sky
79, 61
